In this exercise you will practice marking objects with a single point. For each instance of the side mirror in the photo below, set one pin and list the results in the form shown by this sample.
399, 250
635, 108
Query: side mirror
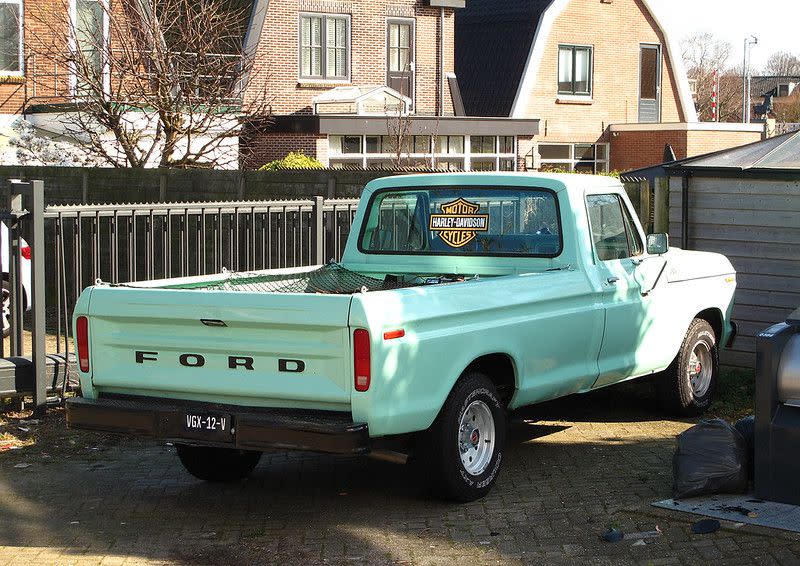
657, 244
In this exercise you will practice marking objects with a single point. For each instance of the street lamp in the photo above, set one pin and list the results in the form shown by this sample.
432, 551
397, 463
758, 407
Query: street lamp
748, 43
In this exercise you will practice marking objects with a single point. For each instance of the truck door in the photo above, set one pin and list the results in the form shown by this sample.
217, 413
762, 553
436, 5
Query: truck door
618, 252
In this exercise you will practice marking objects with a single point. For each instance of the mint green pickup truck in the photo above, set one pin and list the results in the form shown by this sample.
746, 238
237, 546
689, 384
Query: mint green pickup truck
459, 298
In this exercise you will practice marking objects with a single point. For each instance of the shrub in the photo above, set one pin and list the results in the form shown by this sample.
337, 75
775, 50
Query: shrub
293, 160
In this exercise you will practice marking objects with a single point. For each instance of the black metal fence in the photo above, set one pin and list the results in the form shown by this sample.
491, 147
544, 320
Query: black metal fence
82, 244
133, 242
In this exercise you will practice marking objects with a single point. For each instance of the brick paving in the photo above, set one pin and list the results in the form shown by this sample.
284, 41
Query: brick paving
574, 468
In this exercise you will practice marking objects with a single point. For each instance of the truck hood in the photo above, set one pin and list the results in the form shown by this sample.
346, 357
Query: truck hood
683, 265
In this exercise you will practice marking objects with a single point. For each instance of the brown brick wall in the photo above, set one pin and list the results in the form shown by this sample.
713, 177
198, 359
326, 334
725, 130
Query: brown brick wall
13, 89
45, 31
615, 30
258, 149
632, 150
276, 73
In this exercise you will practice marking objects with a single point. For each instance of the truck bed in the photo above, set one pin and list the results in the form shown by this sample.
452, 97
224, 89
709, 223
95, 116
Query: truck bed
332, 279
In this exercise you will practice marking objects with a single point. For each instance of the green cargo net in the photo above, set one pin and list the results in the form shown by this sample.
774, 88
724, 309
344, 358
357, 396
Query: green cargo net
330, 279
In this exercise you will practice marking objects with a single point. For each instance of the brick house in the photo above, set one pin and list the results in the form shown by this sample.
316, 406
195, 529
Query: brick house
40, 92
603, 77
370, 84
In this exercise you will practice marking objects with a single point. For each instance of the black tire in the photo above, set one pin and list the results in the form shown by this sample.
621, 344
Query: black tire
443, 443
217, 464
5, 305
690, 391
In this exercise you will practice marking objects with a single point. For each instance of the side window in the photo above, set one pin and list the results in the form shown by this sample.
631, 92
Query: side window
613, 231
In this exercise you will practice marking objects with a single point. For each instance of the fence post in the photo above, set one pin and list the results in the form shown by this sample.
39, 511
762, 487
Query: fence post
39, 352
33, 193
661, 216
645, 206
319, 240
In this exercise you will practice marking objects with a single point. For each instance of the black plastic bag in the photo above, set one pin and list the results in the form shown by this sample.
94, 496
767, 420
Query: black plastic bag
747, 428
711, 457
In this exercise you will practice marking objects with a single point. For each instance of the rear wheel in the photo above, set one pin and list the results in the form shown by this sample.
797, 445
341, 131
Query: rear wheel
463, 449
688, 385
217, 464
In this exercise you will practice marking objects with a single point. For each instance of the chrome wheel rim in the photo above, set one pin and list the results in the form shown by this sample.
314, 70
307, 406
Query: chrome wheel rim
6, 310
698, 369
476, 438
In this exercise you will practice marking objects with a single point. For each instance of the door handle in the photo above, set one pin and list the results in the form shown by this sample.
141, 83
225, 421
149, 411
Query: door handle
612, 280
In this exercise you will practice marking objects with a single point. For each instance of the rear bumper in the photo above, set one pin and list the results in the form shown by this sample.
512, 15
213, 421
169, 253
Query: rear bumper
251, 428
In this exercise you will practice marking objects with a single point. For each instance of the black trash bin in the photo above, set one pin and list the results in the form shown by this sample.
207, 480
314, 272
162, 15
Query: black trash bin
777, 418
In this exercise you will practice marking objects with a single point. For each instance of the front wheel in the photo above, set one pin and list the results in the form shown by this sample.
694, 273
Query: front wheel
464, 446
217, 464
687, 387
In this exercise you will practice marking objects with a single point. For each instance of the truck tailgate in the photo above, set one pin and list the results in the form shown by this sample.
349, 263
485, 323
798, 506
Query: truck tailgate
253, 348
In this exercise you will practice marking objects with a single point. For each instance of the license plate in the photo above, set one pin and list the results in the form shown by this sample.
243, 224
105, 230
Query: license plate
207, 426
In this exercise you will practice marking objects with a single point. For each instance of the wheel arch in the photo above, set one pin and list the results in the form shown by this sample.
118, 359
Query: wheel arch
501, 370
713, 316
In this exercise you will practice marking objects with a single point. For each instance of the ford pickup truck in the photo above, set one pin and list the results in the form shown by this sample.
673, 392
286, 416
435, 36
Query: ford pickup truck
459, 298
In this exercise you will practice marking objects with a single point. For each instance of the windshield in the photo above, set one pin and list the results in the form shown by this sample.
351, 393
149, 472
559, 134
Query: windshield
472, 220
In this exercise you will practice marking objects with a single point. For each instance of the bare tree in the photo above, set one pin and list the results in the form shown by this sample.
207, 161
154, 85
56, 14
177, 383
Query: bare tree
788, 110
149, 82
703, 55
783, 63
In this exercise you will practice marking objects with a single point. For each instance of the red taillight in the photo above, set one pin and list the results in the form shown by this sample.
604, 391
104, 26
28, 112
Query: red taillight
361, 361
26, 252
82, 335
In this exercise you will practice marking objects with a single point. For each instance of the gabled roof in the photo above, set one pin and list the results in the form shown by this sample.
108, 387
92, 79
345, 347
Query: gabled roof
499, 46
763, 85
773, 157
779, 153
493, 39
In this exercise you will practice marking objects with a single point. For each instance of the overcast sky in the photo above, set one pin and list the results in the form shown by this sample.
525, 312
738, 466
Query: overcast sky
776, 23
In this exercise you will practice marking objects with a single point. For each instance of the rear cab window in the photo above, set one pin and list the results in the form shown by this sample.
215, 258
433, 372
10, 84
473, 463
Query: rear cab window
468, 221
614, 233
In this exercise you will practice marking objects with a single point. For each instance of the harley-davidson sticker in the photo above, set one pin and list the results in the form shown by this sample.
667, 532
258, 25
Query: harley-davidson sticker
459, 222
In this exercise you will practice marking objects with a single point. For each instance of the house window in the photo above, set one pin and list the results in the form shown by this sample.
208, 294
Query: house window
324, 47
90, 30
574, 70
578, 157
449, 144
444, 153
483, 144
399, 46
10, 37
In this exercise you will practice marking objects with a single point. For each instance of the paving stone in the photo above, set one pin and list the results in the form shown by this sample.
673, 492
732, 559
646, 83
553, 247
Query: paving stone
583, 467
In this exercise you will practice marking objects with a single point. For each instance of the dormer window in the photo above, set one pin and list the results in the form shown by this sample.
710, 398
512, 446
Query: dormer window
575, 70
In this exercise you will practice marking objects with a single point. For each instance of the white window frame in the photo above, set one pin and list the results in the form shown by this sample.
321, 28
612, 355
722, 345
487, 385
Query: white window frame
73, 45
431, 156
571, 161
21, 45
575, 95
323, 79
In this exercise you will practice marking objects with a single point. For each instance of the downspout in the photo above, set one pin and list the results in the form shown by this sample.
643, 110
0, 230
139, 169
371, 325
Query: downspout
441, 61
685, 210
